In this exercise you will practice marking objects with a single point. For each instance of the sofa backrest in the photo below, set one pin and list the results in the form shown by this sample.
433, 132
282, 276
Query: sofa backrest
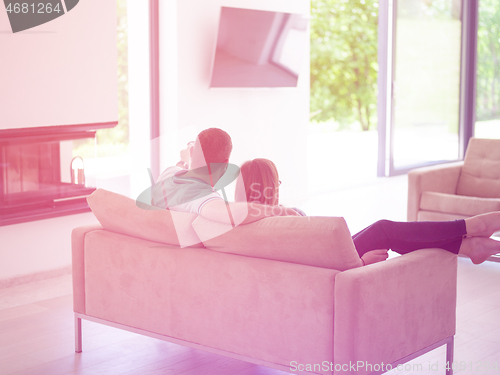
120, 214
480, 175
316, 241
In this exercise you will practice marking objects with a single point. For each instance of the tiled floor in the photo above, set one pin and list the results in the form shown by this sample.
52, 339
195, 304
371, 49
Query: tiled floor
363, 203
477, 341
34, 292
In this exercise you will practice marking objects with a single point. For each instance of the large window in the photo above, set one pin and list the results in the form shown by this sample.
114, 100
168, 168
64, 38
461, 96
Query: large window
420, 54
114, 141
426, 83
488, 70
343, 99
426, 52
119, 157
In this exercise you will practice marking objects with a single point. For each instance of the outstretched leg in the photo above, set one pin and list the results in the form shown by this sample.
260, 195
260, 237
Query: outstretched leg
404, 237
468, 237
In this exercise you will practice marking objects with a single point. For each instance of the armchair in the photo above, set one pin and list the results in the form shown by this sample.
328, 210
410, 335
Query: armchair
457, 190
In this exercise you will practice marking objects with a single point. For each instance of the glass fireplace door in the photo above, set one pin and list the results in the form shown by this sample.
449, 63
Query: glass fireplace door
40, 177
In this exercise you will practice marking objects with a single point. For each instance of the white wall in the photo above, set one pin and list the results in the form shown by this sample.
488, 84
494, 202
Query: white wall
45, 245
270, 123
38, 246
62, 72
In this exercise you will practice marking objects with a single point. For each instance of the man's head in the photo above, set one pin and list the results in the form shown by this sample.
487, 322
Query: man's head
212, 146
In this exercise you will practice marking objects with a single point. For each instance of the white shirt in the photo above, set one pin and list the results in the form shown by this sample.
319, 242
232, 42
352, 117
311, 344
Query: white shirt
177, 193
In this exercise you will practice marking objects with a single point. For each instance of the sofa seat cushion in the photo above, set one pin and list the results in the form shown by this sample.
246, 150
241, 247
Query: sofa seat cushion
316, 241
480, 175
457, 204
123, 215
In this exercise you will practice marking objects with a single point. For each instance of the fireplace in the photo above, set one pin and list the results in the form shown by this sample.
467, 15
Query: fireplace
39, 176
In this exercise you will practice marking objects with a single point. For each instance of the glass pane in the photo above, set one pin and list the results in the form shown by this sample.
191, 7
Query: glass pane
114, 141
40, 178
488, 70
343, 100
119, 158
426, 82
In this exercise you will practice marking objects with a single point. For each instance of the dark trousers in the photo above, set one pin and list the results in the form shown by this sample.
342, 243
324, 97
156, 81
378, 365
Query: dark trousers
404, 237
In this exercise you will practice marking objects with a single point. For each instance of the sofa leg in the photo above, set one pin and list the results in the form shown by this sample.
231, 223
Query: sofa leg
78, 334
449, 356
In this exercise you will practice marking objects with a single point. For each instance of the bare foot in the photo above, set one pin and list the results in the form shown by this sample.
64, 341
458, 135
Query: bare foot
483, 225
375, 256
478, 249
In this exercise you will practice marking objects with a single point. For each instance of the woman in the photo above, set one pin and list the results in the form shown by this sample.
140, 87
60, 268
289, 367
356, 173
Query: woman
469, 237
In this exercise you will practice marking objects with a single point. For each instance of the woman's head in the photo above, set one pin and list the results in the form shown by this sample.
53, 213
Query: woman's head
261, 182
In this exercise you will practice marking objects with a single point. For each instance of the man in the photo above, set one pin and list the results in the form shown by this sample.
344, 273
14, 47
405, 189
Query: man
190, 185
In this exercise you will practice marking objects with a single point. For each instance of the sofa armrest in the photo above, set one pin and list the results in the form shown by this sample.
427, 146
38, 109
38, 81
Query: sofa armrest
77, 256
388, 310
441, 178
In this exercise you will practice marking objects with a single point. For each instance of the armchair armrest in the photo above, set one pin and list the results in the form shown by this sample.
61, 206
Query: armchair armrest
441, 178
388, 310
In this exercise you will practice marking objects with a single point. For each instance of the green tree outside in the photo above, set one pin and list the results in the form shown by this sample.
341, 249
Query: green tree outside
344, 66
488, 61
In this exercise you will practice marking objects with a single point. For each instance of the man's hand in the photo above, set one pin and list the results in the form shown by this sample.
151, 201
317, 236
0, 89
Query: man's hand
186, 156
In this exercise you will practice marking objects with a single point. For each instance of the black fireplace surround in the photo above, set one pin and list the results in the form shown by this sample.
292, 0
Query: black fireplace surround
30, 173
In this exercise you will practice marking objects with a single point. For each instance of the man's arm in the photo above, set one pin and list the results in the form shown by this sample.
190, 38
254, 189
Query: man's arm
241, 212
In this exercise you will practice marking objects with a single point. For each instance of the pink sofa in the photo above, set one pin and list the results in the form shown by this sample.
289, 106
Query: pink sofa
285, 292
